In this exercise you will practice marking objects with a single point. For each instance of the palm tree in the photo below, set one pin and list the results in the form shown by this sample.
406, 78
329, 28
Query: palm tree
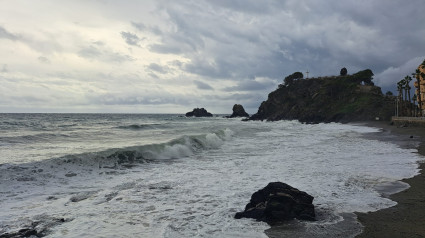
417, 75
400, 96
404, 94
407, 88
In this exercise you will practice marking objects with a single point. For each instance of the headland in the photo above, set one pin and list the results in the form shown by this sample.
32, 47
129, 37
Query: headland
343, 98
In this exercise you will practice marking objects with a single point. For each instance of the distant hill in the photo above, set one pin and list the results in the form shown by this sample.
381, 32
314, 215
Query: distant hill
328, 99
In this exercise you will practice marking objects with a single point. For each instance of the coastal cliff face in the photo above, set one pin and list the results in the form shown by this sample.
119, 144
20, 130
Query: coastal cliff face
328, 99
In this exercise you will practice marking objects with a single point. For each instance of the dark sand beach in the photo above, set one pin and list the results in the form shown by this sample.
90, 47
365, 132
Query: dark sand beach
407, 218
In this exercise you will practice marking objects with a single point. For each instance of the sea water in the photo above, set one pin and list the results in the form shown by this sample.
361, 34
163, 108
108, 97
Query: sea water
136, 175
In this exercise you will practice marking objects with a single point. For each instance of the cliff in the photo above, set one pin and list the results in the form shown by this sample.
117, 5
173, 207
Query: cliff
327, 99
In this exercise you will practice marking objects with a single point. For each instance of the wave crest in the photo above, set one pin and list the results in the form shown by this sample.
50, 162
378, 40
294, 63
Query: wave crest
140, 126
182, 147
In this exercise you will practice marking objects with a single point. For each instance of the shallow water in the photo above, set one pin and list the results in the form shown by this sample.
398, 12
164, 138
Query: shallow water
111, 175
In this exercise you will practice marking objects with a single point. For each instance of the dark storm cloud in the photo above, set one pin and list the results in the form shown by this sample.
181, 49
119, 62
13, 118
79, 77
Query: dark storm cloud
202, 85
247, 6
220, 46
247, 45
252, 85
5, 34
236, 39
130, 38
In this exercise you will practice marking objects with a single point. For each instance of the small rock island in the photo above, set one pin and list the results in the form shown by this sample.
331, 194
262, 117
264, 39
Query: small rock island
199, 112
238, 111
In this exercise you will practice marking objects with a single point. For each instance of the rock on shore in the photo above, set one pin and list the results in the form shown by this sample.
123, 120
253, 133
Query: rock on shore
279, 202
199, 112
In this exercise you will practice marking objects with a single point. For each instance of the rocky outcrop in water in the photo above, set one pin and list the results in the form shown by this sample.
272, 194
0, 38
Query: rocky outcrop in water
238, 111
38, 228
279, 202
25, 232
199, 112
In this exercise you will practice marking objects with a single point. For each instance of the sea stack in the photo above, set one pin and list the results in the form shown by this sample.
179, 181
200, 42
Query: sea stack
199, 112
238, 111
279, 202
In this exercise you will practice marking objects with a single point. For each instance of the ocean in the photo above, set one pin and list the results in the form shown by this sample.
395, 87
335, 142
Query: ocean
140, 175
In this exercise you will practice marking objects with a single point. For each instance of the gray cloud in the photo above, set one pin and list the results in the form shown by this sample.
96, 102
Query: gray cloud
143, 28
143, 99
158, 68
101, 53
48, 45
202, 85
4, 68
98, 43
166, 49
7, 35
90, 52
139, 26
283, 37
43, 59
249, 44
246, 6
131, 39
388, 78
252, 85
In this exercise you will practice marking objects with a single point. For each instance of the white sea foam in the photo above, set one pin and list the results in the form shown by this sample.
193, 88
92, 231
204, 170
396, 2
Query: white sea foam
211, 176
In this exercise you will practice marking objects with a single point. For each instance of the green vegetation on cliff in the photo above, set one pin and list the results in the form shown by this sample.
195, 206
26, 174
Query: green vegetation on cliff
328, 99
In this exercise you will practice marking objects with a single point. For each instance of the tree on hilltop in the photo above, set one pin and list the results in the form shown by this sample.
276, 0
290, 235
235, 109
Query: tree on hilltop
364, 76
343, 72
290, 78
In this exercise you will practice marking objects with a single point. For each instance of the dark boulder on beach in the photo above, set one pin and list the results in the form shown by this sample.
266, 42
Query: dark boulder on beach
199, 112
238, 111
279, 202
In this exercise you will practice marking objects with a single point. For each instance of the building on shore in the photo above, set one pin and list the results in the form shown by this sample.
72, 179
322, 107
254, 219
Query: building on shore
420, 77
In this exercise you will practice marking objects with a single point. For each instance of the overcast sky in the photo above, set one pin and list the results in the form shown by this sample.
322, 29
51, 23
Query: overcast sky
171, 56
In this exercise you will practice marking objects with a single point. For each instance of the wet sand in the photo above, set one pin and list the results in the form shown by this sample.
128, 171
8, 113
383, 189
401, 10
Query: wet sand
407, 218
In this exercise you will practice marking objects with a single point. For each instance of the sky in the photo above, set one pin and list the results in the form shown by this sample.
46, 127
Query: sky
170, 56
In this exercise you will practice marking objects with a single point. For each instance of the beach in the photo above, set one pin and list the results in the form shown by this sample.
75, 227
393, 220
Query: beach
405, 219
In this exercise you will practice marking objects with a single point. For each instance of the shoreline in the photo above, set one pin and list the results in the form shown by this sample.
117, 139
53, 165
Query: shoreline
406, 218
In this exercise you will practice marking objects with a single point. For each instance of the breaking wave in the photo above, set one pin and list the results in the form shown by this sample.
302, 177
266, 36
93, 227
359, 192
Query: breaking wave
182, 147
141, 126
